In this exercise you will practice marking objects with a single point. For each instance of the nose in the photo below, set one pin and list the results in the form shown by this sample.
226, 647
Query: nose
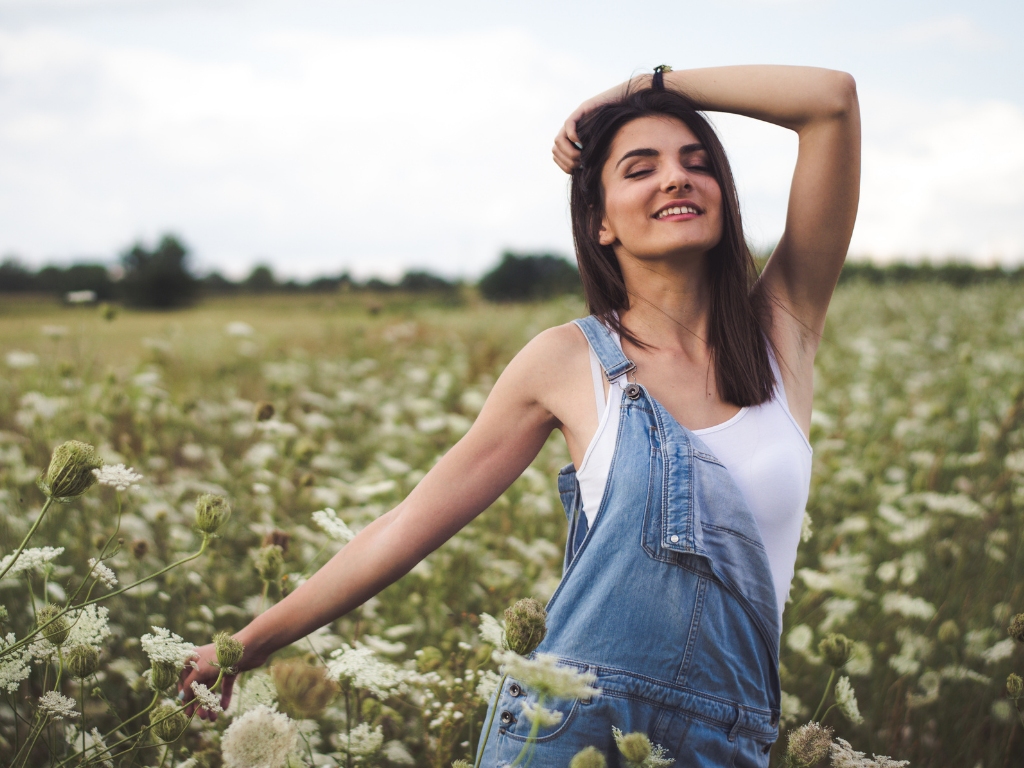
675, 178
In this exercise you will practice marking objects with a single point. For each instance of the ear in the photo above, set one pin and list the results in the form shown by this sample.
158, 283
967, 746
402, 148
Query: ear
606, 236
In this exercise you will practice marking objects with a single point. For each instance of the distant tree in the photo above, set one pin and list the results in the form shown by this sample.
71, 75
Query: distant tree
14, 278
159, 279
418, 281
215, 283
529, 277
260, 280
378, 285
57, 280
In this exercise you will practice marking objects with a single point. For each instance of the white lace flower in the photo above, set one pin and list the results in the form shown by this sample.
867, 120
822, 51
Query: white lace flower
29, 559
206, 698
547, 677
89, 626
487, 685
846, 700
15, 666
491, 631
164, 645
57, 705
117, 476
360, 666
845, 756
261, 738
363, 741
257, 691
95, 748
102, 572
545, 718
333, 526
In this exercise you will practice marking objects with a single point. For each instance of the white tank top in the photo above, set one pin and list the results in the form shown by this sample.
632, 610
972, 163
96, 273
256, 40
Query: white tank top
763, 448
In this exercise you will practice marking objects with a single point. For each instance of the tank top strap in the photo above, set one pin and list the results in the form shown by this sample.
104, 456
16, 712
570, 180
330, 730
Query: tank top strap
609, 353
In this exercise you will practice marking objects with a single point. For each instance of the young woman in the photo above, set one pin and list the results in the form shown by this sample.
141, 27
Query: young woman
685, 401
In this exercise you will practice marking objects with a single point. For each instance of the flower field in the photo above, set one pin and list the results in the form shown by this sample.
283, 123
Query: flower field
311, 417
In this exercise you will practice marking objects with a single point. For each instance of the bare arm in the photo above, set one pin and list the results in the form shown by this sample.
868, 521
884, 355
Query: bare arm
505, 438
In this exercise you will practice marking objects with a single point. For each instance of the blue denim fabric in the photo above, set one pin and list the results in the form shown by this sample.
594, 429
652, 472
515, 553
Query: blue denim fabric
667, 598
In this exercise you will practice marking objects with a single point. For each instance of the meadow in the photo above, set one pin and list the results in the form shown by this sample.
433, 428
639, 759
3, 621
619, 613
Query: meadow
314, 415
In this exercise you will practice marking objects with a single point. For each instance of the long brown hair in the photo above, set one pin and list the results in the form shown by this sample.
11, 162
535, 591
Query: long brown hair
738, 311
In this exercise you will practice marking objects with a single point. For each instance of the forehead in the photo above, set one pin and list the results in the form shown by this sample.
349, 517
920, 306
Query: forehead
660, 132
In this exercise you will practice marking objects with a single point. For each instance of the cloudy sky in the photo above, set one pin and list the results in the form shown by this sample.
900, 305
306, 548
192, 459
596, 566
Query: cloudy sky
317, 136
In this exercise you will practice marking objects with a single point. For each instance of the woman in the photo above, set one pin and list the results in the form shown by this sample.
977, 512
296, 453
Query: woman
685, 401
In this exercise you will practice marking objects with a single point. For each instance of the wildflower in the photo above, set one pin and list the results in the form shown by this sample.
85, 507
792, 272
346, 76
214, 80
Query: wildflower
544, 675
229, 650
544, 718
82, 660
846, 700
487, 685
949, 632
836, 649
15, 666
69, 474
140, 548
269, 562
808, 745
103, 573
587, 758
428, 659
35, 557
264, 411
206, 698
211, 512
360, 667
525, 626
167, 722
166, 646
491, 632
1014, 686
333, 526
845, 756
303, 690
57, 705
18, 359
95, 748
257, 690
117, 476
279, 537
639, 751
54, 622
261, 738
363, 740
461, 764
905, 605
1016, 628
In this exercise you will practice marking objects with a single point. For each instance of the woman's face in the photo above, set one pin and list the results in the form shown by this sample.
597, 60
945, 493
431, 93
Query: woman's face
660, 198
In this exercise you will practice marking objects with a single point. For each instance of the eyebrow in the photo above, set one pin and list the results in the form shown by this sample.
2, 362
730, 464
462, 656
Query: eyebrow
686, 149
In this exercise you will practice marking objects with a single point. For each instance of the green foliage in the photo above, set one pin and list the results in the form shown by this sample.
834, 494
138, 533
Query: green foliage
158, 278
529, 278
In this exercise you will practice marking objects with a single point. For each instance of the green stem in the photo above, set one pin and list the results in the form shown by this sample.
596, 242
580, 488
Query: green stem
490, 722
24, 541
136, 716
263, 597
103, 552
531, 740
824, 697
1020, 715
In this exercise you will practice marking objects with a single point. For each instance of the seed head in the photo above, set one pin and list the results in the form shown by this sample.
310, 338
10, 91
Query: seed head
167, 722
587, 758
808, 745
635, 747
56, 632
211, 512
1016, 628
279, 537
303, 690
428, 659
270, 562
140, 547
1014, 686
229, 650
462, 764
163, 674
70, 472
264, 411
836, 649
82, 660
949, 632
525, 626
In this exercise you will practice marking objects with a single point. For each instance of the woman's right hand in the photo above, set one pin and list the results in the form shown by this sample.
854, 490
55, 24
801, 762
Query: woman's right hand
206, 672
566, 151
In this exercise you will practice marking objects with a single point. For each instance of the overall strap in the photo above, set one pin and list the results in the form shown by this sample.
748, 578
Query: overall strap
613, 361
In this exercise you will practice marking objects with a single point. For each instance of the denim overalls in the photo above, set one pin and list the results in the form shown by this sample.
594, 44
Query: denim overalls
667, 598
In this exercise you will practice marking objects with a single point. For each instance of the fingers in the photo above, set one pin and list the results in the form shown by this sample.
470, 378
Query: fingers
565, 153
225, 695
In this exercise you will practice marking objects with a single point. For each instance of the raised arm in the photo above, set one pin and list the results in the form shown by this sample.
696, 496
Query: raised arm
507, 435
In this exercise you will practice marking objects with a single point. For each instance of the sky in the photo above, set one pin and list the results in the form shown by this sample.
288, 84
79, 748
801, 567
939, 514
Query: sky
318, 136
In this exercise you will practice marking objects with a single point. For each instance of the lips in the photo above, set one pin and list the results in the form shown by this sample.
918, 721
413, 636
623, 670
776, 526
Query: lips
678, 208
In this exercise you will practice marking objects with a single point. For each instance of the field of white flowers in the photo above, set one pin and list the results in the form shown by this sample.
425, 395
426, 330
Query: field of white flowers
311, 417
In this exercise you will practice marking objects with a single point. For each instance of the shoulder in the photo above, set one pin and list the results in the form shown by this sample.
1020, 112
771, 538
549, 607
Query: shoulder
548, 368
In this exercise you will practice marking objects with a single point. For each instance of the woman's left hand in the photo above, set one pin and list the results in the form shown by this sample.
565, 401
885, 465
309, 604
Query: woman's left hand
566, 151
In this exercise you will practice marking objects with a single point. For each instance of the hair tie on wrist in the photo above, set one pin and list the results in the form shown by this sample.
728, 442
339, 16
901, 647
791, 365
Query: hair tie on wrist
658, 82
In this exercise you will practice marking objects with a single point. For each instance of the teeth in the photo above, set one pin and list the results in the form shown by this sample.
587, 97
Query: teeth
676, 211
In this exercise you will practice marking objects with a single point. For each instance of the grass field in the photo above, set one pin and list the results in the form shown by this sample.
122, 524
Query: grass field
913, 548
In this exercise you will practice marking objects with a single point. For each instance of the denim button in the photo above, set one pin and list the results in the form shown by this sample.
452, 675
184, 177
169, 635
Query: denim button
514, 689
506, 717
674, 539
633, 391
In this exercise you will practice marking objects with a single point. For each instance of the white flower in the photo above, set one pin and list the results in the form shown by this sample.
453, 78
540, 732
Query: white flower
333, 526
361, 667
545, 718
547, 677
905, 605
164, 645
57, 705
363, 741
257, 691
238, 328
261, 738
1001, 650
656, 759
846, 700
15, 666
206, 698
845, 756
95, 747
117, 476
89, 626
487, 685
29, 559
17, 359
102, 572
491, 631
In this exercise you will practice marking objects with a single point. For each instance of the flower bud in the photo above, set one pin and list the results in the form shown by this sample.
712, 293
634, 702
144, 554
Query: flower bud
428, 659
808, 745
587, 758
1016, 628
3, 613
635, 747
70, 472
211, 512
279, 537
167, 722
82, 660
303, 690
264, 411
1014, 686
140, 547
56, 632
525, 626
269, 562
949, 632
836, 649
229, 650
163, 675
108, 311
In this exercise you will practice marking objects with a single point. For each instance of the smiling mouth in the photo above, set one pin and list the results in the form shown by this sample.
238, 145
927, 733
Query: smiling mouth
677, 210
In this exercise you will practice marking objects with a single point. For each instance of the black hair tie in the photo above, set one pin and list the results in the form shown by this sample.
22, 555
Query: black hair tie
658, 82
